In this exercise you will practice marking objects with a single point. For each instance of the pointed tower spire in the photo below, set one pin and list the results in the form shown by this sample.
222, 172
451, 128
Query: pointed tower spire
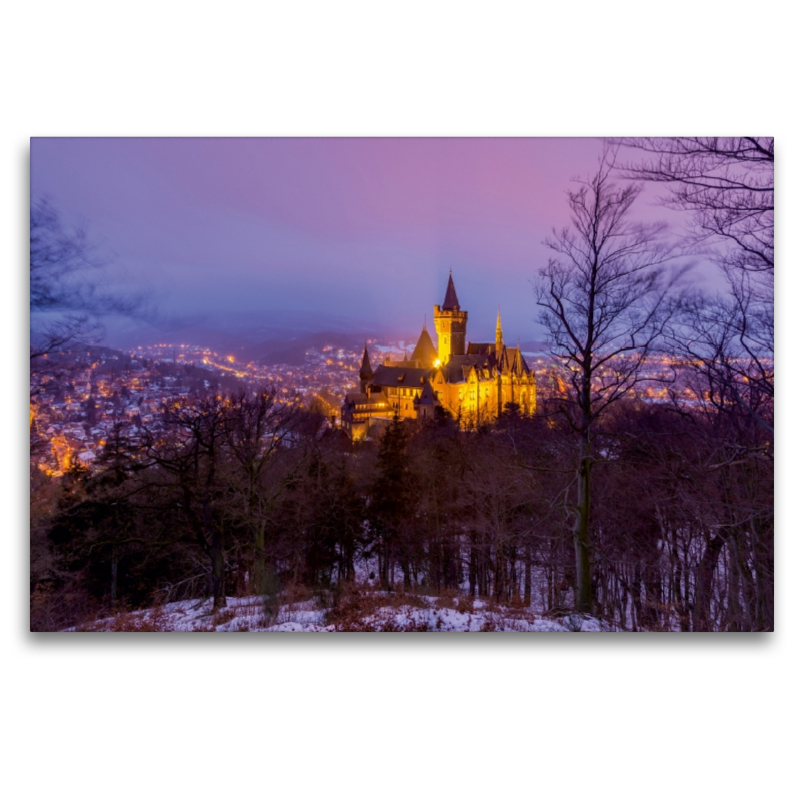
365, 373
498, 334
365, 365
450, 296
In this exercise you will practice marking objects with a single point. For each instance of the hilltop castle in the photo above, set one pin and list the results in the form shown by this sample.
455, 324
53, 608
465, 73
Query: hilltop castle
474, 382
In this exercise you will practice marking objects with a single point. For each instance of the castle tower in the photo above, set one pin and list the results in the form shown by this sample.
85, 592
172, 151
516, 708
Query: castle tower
365, 374
451, 325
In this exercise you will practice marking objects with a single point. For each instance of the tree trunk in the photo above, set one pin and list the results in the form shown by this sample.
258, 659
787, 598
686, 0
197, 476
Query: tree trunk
114, 562
218, 571
473, 572
701, 616
527, 589
583, 574
259, 562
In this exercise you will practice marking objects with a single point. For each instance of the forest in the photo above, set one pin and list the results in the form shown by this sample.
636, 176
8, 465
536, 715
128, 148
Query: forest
240, 496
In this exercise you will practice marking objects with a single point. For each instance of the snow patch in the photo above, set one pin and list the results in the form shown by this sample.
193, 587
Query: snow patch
364, 610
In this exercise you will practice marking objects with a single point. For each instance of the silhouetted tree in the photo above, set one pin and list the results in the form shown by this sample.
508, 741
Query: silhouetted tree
190, 453
330, 516
67, 297
438, 462
392, 505
264, 441
603, 305
726, 184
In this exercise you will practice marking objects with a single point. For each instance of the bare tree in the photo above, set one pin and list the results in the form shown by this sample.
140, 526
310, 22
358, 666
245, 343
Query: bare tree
726, 344
603, 300
190, 453
726, 184
263, 466
67, 296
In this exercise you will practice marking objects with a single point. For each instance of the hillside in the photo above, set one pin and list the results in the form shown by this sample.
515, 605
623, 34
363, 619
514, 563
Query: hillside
293, 351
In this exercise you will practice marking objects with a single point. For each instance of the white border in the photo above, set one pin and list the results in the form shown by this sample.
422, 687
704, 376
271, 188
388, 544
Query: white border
188, 717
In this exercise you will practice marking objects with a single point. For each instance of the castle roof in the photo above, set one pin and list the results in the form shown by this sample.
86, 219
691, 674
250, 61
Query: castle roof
450, 297
458, 368
400, 376
481, 348
360, 398
424, 352
486, 360
513, 360
357, 397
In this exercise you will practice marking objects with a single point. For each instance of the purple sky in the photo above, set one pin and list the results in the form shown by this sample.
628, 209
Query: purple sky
336, 231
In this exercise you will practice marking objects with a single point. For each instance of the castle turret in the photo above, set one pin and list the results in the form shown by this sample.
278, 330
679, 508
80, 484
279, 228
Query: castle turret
425, 403
498, 335
365, 374
498, 352
451, 325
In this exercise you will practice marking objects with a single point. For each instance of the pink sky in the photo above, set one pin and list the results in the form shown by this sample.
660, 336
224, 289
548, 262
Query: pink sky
359, 231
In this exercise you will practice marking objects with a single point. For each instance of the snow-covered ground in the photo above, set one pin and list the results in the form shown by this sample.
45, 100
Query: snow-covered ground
363, 610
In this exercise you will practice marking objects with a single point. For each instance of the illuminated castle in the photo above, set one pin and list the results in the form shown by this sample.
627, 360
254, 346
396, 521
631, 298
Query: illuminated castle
474, 382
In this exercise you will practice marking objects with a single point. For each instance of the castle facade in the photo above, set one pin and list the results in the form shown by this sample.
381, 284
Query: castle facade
472, 381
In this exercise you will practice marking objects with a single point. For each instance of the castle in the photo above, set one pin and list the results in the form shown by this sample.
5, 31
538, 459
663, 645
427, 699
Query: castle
474, 382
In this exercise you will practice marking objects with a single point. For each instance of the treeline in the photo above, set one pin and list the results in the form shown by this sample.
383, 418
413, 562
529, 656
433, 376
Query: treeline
239, 495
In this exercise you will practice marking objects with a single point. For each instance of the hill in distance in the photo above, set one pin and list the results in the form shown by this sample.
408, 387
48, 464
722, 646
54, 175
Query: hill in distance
292, 350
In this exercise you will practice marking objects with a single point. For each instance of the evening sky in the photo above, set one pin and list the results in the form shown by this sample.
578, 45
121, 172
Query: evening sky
323, 233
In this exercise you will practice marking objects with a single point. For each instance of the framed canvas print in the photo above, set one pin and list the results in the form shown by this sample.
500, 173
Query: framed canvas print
402, 385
